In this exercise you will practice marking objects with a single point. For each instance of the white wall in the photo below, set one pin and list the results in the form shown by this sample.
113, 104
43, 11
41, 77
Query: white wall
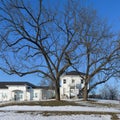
4, 96
70, 87
12, 88
27, 94
37, 94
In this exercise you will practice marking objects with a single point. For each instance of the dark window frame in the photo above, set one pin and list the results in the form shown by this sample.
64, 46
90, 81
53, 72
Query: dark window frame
64, 81
82, 81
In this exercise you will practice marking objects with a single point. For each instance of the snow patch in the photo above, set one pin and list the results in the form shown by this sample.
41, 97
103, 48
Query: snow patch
118, 116
58, 108
24, 116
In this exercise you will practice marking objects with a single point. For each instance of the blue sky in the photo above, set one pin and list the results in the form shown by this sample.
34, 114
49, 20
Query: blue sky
108, 9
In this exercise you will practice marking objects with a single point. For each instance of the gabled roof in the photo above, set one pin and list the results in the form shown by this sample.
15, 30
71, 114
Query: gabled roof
74, 73
4, 85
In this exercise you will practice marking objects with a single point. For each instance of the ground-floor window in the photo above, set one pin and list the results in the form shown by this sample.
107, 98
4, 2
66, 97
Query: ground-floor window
36, 95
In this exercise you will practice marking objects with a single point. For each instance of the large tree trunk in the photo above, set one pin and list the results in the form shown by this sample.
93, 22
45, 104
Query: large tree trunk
85, 93
57, 91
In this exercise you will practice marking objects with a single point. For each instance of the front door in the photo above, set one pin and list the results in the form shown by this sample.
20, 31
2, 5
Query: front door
18, 95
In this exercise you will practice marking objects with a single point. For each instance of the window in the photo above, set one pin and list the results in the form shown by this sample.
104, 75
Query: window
73, 81
64, 81
81, 81
36, 95
4, 95
28, 87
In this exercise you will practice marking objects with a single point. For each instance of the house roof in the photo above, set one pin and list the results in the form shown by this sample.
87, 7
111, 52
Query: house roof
74, 73
45, 87
3, 85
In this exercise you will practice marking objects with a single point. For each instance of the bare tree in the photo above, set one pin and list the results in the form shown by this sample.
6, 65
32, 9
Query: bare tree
97, 49
34, 39
117, 62
37, 39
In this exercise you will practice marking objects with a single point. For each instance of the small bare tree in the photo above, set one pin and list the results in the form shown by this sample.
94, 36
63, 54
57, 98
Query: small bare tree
109, 92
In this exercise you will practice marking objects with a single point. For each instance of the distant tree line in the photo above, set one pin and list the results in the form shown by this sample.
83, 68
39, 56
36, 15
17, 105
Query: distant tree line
107, 92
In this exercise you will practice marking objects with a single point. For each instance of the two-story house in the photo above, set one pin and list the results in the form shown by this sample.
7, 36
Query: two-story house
71, 84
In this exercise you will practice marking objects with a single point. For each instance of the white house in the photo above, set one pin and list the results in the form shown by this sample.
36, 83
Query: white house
23, 91
71, 84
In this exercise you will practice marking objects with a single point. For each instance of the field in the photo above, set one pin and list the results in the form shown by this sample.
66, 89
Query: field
67, 110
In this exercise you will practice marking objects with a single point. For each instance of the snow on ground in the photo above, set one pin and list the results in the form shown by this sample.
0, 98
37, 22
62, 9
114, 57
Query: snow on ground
118, 116
59, 108
10, 112
108, 101
27, 116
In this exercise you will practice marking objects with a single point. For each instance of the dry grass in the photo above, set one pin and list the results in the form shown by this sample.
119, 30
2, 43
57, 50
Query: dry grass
59, 113
41, 103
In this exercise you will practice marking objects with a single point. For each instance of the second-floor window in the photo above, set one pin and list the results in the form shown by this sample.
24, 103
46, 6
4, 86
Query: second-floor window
81, 81
64, 81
